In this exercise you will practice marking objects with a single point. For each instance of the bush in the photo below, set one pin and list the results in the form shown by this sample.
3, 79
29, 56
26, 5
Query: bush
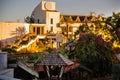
95, 53
9, 50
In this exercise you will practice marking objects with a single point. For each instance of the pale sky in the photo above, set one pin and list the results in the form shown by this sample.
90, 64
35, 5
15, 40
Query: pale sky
16, 10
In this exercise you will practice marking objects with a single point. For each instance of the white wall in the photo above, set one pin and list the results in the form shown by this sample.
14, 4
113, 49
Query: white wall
44, 15
10, 30
38, 13
56, 18
27, 28
3, 60
48, 5
7, 72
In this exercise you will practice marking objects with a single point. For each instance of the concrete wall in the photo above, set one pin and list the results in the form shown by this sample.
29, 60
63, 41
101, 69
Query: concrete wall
56, 18
44, 15
7, 72
9, 31
3, 60
2, 77
48, 5
38, 13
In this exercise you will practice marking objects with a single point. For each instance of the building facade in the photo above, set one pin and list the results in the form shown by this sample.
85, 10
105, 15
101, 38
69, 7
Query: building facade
10, 31
47, 20
46, 13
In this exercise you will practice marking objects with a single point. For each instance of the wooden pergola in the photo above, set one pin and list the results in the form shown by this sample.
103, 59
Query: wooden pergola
54, 64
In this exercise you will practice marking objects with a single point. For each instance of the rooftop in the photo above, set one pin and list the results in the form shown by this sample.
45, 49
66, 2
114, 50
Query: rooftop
55, 58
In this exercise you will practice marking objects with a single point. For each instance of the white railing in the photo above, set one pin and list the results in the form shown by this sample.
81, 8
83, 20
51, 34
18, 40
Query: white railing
32, 41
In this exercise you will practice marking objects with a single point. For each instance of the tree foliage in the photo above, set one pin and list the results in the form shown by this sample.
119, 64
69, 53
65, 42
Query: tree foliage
109, 29
98, 28
95, 53
114, 22
9, 50
29, 19
68, 49
94, 47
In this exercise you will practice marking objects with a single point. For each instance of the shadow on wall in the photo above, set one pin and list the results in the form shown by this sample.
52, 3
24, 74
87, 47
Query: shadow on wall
19, 32
8, 41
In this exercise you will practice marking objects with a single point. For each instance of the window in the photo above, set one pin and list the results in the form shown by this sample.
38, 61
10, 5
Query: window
70, 29
51, 20
64, 29
33, 29
51, 28
38, 30
42, 30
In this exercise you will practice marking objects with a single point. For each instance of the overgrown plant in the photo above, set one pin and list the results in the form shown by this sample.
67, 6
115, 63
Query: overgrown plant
95, 53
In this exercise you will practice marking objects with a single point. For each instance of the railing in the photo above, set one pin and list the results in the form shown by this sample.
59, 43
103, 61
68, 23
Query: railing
22, 56
32, 41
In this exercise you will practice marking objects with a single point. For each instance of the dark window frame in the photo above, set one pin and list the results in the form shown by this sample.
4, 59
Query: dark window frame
51, 21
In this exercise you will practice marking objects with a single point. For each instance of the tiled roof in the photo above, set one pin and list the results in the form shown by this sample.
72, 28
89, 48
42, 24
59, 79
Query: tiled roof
79, 18
67, 68
55, 58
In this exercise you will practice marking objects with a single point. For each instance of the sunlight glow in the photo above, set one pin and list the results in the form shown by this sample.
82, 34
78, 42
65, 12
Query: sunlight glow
32, 41
116, 44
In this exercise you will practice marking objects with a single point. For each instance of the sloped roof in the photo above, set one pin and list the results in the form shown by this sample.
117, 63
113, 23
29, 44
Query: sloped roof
27, 69
55, 58
70, 67
80, 18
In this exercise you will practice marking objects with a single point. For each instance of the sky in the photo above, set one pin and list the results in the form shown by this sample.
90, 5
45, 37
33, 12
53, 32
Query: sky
17, 10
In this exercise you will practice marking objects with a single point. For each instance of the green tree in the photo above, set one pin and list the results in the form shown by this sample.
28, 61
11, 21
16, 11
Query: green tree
68, 49
98, 28
9, 50
82, 29
114, 22
95, 53
94, 47
29, 19
67, 21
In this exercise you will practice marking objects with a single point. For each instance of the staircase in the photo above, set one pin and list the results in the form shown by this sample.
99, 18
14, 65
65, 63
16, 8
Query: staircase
31, 42
29, 39
25, 41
